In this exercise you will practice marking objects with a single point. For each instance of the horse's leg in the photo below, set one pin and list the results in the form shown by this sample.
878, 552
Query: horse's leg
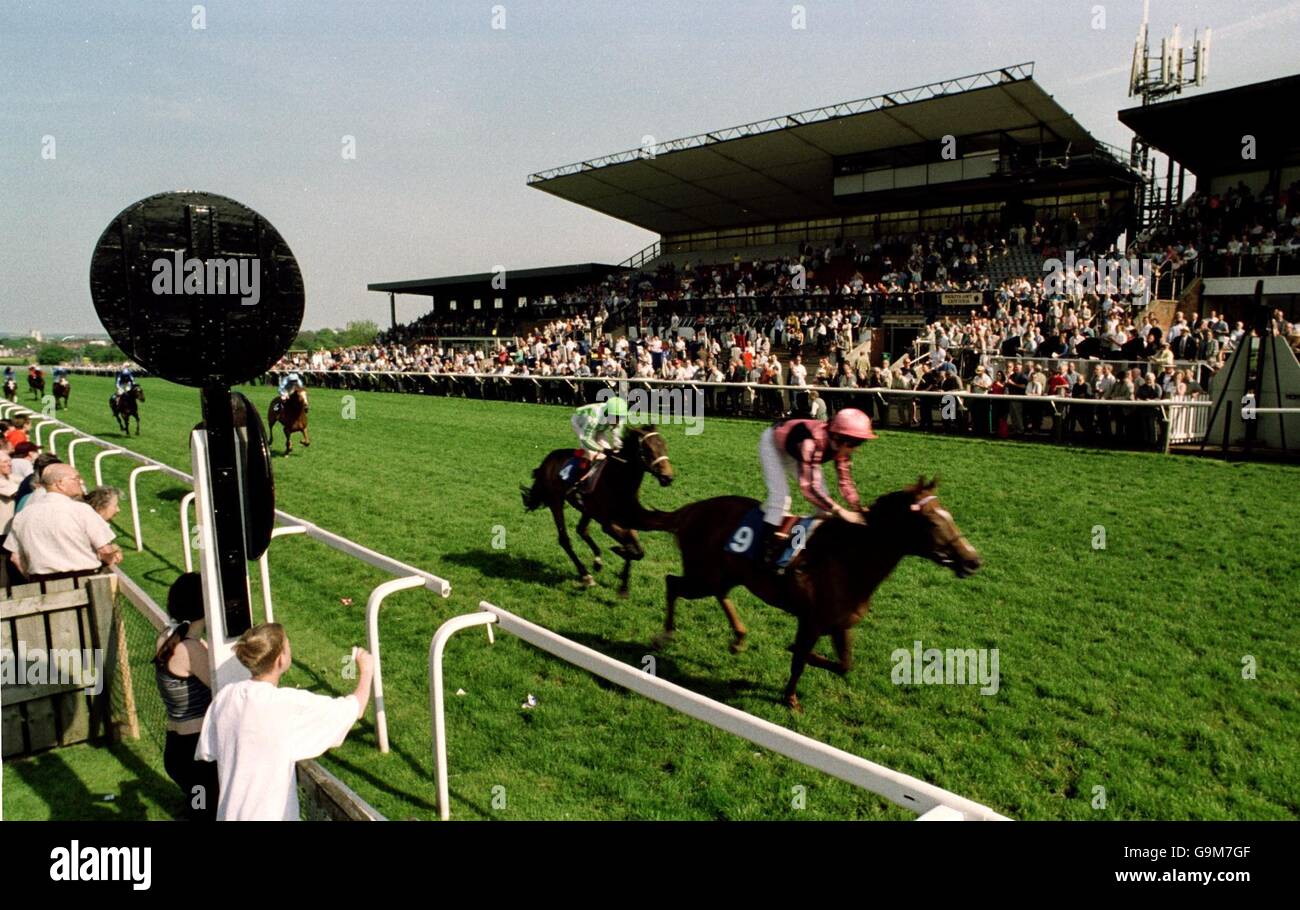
630, 549
583, 525
676, 586
306, 440
804, 640
557, 511
842, 639
737, 627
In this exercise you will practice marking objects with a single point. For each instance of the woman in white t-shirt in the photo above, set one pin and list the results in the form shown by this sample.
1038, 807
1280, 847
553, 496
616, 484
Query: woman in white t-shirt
256, 731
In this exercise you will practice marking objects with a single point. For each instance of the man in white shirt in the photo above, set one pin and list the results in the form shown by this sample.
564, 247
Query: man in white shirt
257, 732
58, 536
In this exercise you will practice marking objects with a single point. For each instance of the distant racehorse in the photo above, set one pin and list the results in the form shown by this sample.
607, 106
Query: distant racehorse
613, 502
11, 390
126, 406
36, 384
829, 584
62, 388
292, 414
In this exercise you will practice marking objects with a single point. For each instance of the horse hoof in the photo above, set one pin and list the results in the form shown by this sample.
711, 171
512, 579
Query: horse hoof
792, 702
661, 641
587, 581
305, 443
624, 593
738, 644
598, 564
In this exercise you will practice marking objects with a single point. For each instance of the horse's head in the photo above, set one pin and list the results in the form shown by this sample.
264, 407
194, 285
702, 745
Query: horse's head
923, 527
652, 452
137, 392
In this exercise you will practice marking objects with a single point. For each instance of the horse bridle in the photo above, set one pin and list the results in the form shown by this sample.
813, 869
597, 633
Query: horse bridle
650, 435
948, 546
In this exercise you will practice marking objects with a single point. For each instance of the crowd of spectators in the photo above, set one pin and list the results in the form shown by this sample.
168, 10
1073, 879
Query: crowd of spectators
51, 525
1236, 232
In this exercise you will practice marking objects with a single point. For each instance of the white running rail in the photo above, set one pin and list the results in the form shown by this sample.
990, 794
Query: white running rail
928, 801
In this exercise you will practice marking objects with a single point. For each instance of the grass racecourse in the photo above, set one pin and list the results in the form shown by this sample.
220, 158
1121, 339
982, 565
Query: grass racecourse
1123, 667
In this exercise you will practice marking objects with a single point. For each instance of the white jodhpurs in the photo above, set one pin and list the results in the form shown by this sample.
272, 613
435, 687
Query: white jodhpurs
778, 467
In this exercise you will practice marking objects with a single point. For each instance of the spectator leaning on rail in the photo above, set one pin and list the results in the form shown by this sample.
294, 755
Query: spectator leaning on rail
256, 731
8, 494
24, 457
183, 674
58, 536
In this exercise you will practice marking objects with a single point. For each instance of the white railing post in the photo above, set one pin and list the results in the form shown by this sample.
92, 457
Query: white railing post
135, 502
264, 567
99, 459
436, 695
373, 604
186, 501
72, 449
54, 435
38, 424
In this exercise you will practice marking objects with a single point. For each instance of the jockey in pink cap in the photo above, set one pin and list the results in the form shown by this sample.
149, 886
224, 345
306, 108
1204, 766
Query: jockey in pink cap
799, 446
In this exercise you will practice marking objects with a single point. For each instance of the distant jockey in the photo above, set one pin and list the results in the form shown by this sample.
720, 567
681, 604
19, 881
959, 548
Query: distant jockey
287, 383
798, 447
124, 383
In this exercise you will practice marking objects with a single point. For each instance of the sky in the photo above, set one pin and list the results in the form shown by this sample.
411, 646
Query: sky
449, 114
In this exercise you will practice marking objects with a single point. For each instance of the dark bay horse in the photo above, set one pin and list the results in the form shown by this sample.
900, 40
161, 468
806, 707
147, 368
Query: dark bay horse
126, 406
36, 384
11, 390
62, 389
613, 504
292, 414
829, 584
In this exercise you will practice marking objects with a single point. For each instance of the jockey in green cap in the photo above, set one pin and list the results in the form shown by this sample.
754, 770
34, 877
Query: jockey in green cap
600, 428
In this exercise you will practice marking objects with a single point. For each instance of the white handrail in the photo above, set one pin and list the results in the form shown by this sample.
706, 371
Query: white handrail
72, 449
99, 469
373, 604
54, 435
438, 585
264, 568
38, 423
135, 503
901, 789
436, 695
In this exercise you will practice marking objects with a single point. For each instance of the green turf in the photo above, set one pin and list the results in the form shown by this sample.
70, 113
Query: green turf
1120, 667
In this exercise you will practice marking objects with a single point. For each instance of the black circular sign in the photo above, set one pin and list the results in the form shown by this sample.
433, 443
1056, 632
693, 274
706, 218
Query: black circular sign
197, 288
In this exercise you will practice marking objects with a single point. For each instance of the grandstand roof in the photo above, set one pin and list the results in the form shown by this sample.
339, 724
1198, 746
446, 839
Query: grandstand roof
781, 169
517, 281
1205, 132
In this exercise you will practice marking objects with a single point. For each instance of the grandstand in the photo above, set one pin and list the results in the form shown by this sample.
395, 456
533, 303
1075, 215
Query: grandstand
1237, 227
989, 164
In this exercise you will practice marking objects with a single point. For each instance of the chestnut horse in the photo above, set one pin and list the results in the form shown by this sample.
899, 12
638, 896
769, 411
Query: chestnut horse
828, 585
612, 503
36, 384
62, 389
292, 413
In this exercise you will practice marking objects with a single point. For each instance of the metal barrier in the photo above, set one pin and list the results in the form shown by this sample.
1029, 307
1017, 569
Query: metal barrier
373, 603
135, 502
72, 449
54, 434
930, 802
434, 583
264, 567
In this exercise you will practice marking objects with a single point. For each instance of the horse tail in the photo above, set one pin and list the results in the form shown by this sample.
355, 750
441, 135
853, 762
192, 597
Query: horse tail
654, 520
533, 496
